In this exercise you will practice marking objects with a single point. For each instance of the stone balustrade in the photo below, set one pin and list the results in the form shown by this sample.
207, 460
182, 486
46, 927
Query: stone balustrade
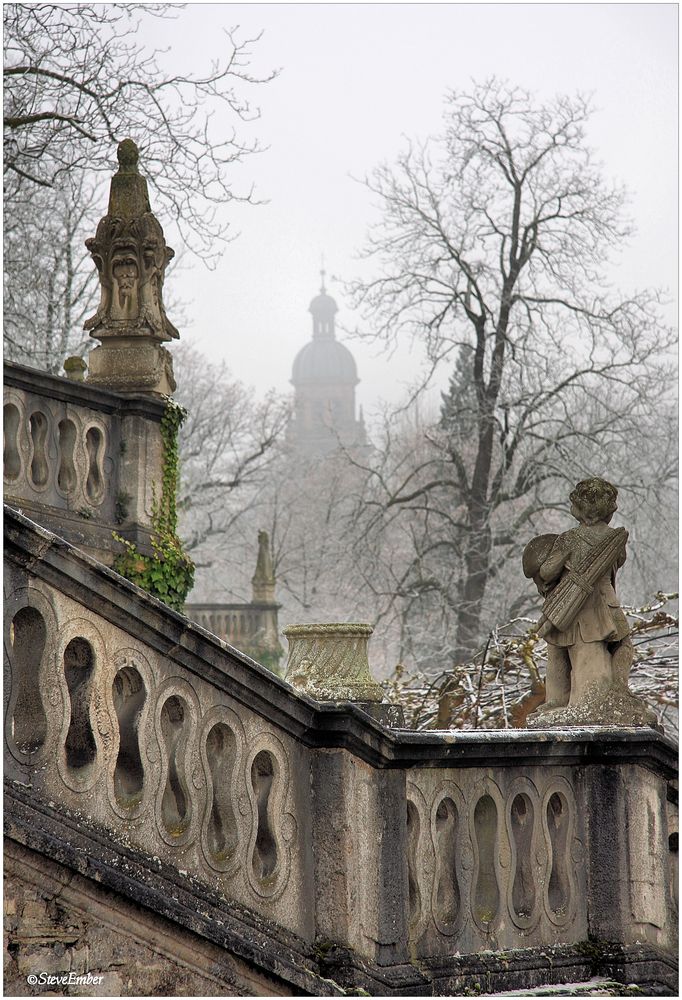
144, 749
83, 460
250, 627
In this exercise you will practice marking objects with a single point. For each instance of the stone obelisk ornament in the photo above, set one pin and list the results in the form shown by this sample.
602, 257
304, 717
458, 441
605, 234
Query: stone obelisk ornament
131, 256
589, 652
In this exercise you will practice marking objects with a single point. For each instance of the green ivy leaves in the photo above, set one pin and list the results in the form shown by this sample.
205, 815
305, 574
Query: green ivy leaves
168, 574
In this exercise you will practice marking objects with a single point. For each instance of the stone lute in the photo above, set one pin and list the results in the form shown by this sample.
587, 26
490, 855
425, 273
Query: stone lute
564, 603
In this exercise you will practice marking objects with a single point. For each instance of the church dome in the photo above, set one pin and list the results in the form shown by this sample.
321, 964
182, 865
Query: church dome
324, 360
323, 305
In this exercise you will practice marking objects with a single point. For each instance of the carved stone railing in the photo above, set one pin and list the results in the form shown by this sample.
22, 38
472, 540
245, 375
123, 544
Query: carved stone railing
129, 728
82, 460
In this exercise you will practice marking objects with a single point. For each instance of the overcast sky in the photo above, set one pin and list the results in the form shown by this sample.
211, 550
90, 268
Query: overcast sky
355, 79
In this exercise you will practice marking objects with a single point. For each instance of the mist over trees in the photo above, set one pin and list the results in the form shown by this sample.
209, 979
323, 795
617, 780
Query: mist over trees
76, 82
228, 444
491, 251
50, 284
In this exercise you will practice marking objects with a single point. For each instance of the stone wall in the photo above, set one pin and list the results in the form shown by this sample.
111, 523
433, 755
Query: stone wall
63, 925
311, 843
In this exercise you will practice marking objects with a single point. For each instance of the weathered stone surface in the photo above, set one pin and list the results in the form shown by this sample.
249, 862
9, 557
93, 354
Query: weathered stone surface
132, 366
589, 649
61, 924
75, 368
597, 707
302, 837
131, 256
329, 662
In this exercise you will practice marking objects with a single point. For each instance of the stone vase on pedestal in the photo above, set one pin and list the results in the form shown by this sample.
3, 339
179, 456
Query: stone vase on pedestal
329, 662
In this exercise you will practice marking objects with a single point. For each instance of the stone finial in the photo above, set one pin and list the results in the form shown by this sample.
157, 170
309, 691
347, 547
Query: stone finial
263, 582
131, 256
329, 662
589, 652
75, 368
128, 195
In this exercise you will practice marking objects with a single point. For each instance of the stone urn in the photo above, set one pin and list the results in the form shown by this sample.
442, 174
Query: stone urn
329, 662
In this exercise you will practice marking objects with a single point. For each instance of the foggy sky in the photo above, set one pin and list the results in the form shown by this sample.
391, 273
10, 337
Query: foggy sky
355, 79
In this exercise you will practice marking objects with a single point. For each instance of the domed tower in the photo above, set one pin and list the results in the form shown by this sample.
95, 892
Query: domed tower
324, 377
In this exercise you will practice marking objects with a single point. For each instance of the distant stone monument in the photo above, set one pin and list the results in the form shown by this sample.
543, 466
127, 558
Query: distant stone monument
587, 634
263, 580
251, 627
131, 256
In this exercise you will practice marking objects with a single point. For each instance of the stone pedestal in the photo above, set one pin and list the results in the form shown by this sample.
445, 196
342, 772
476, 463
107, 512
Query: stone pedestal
132, 365
329, 662
601, 706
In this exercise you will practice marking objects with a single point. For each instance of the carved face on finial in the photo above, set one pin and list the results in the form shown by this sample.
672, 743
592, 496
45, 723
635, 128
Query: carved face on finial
128, 154
125, 271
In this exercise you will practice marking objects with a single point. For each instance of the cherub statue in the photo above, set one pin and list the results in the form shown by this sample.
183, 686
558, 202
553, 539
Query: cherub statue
589, 650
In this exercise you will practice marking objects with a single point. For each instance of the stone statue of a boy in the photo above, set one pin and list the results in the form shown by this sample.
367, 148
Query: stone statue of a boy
587, 634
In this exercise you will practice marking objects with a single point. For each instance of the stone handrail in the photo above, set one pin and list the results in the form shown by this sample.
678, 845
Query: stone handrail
141, 728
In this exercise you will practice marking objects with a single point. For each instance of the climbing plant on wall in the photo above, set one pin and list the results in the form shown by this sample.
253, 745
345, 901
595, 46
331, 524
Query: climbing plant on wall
167, 574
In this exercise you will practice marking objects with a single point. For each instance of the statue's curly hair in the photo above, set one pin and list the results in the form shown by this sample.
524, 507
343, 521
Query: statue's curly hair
596, 498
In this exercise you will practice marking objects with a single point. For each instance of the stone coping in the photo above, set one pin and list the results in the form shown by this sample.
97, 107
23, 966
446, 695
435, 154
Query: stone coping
331, 725
65, 390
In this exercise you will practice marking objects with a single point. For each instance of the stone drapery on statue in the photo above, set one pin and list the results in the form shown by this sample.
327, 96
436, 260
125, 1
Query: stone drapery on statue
576, 586
589, 650
131, 256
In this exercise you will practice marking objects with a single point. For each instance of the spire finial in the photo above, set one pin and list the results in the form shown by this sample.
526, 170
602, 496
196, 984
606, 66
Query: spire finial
323, 290
263, 581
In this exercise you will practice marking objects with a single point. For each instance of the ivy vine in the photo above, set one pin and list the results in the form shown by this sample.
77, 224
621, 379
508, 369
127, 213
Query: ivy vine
168, 573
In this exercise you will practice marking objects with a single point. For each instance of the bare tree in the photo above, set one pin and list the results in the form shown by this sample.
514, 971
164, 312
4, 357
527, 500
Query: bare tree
77, 82
492, 246
311, 507
227, 447
50, 285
